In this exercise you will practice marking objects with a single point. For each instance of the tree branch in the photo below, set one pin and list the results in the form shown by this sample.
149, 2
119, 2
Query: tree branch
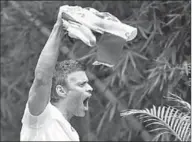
5, 83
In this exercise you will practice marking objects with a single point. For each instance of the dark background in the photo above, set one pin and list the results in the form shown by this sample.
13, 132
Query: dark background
156, 62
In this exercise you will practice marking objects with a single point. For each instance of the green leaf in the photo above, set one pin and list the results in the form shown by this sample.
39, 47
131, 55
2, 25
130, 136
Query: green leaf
150, 119
165, 117
169, 43
152, 74
86, 56
132, 60
142, 32
185, 131
158, 135
154, 84
112, 112
185, 65
139, 55
173, 56
172, 20
171, 74
102, 121
157, 129
148, 41
125, 64
162, 84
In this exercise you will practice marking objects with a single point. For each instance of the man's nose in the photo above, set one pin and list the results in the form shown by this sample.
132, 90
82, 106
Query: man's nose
89, 88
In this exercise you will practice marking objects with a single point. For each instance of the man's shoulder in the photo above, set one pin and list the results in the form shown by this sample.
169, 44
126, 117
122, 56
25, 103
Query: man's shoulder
54, 111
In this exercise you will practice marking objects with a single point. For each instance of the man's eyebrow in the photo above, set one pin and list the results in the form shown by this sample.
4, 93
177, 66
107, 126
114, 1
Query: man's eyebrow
81, 82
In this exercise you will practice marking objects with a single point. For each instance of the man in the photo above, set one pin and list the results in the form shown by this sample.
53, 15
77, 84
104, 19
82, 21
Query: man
58, 93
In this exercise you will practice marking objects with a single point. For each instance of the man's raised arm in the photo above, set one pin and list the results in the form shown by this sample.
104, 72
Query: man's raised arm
40, 91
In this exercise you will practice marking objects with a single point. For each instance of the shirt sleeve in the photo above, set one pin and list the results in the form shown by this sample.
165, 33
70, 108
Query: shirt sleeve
36, 121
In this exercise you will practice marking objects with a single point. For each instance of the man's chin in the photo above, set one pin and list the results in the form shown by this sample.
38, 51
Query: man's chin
81, 114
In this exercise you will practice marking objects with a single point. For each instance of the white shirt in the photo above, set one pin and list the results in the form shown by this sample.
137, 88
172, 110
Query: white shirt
50, 125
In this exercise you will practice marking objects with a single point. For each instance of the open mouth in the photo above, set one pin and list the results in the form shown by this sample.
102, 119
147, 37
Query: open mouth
86, 103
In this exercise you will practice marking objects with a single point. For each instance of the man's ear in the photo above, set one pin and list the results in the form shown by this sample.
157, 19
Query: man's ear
61, 91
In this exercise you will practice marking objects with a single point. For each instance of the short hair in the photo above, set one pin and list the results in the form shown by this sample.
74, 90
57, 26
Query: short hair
62, 69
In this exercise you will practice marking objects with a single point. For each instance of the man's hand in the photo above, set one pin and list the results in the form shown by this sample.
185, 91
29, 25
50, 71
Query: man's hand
74, 28
59, 16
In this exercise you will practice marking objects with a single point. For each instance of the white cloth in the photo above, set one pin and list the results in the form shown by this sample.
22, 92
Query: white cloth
80, 21
50, 125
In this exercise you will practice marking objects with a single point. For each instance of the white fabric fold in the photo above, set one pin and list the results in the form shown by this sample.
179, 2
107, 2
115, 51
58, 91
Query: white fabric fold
88, 19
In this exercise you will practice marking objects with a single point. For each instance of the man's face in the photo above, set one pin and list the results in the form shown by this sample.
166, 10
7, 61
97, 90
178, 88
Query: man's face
78, 94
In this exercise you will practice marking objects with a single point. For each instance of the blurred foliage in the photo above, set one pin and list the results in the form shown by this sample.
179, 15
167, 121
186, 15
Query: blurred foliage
158, 60
168, 123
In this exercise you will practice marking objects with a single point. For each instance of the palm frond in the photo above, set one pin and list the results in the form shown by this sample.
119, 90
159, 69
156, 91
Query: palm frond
165, 120
179, 100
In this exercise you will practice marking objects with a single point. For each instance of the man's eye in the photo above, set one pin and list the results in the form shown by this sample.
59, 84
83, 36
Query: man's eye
82, 84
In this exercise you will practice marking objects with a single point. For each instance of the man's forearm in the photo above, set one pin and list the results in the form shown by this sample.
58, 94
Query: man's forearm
49, 54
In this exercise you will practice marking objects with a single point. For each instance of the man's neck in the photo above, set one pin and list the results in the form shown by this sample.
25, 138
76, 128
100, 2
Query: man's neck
62, 108
67, 116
